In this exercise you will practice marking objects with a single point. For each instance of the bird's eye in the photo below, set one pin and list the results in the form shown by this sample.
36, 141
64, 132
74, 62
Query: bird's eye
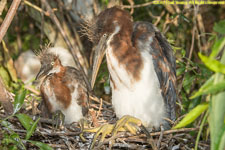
52, 63
104, 35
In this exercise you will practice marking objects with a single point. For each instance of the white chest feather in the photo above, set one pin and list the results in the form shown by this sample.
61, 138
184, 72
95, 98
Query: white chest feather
73, 113
141, 99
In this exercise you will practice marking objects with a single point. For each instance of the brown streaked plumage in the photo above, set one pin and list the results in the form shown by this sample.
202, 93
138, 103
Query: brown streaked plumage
141, 66
63, 88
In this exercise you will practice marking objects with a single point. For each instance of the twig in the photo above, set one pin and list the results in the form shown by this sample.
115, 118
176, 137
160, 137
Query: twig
32, 89
175, 131
158, 18
96, 99
136, 6
131, 4
36, 7
100, 108
2, 6
9, 17
160, 138
123, 134
65, 37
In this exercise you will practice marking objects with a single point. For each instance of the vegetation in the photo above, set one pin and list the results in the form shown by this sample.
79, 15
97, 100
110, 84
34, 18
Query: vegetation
196, 33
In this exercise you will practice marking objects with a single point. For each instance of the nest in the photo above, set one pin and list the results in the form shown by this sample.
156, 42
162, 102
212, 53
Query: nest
68, 137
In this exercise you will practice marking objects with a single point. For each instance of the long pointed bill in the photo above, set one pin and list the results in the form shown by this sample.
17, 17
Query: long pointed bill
43, 71
40, 74
99, 55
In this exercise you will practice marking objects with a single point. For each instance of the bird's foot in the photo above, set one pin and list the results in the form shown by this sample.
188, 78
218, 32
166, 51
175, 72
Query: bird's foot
126, 123
83, 123
58, 119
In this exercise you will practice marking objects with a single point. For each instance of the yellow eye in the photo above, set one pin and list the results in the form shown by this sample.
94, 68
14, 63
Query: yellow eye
52, 63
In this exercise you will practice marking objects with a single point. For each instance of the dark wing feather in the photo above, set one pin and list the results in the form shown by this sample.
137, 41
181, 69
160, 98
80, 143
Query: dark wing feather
163, 60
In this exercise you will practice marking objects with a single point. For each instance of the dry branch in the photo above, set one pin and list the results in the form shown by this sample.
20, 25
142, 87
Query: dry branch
9, 17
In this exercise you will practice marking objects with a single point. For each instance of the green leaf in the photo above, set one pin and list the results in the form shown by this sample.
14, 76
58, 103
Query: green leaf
180, 71
9, 62
217, 112
25, 120
192, 115
5, 76
220, 27
200, 129
221, 145
210, 88
41, 145
218, 87
32, 129
19, 99
217, 47
212, 64
17, 141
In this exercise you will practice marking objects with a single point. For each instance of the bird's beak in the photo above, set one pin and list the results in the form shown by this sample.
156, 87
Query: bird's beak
43, 71
99, 55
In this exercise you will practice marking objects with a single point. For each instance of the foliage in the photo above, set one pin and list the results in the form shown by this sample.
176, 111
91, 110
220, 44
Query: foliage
214, 87
201, 81
12, 140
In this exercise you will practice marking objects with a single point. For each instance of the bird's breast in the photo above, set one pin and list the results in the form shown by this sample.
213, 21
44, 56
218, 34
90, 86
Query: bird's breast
62, 94
139, 98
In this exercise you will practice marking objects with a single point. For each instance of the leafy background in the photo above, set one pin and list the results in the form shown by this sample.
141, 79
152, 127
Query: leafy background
196, 33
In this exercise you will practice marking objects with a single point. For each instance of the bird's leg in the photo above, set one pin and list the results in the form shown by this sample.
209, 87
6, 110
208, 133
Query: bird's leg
83, 123
58, 118
126, 123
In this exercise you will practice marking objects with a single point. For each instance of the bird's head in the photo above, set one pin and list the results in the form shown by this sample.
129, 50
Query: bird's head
110, 22
50, 63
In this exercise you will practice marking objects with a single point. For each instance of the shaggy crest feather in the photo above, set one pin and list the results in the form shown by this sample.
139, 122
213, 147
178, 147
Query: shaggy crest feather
43, 53
88, 29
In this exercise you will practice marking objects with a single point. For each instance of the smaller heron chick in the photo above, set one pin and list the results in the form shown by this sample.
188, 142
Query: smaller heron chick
63, 88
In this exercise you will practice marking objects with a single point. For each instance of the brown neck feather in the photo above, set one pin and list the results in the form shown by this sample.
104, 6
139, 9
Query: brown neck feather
126, 54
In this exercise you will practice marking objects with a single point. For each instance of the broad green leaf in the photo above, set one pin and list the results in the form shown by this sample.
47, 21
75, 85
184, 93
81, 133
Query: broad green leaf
215, 88
212, 64
41, 145
217, 47
221, 145
217, 111
25, 120
206, 85
32, 129
210, 88
19, 99
192, 115
220, 27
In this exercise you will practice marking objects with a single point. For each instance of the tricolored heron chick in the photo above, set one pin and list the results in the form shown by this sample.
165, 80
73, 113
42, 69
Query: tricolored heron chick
63, 88
141, 66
